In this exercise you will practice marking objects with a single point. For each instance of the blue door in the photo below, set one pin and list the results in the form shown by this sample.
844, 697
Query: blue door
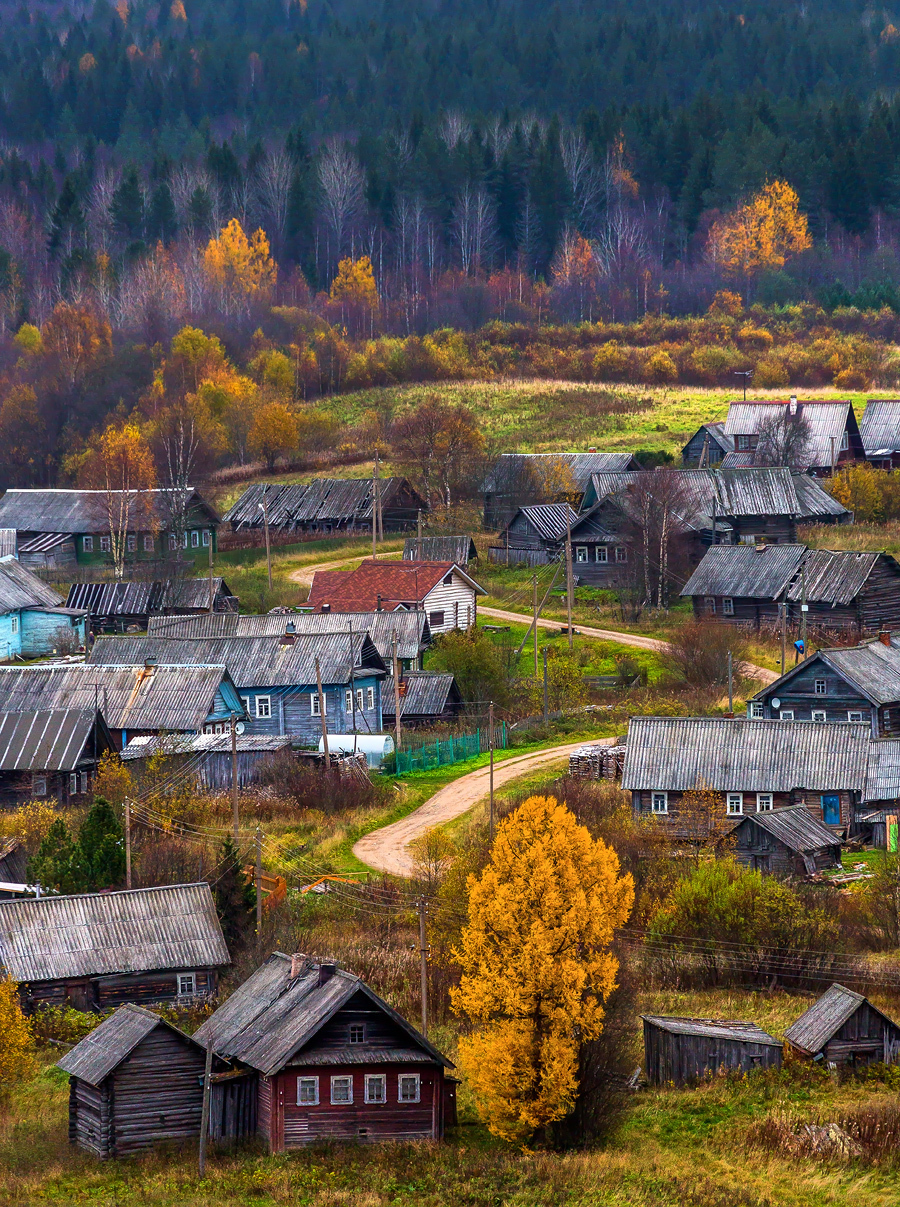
831, 810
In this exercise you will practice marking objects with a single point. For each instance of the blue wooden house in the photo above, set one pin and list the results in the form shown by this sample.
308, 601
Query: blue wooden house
33, 622
276, 676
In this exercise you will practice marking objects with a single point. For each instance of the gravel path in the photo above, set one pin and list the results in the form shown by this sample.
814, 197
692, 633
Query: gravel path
303, 575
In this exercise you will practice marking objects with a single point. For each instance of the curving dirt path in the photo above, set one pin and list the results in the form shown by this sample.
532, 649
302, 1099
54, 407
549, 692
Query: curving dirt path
387, 849
303, 575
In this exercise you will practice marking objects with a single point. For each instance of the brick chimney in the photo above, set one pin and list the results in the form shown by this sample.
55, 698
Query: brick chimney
884, 636
326, 972
378, 605
298, 960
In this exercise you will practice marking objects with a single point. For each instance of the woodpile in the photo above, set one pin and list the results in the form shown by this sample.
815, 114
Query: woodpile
593, 762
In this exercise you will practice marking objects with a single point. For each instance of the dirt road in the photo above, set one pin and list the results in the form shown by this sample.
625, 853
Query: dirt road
303, 576
387, 849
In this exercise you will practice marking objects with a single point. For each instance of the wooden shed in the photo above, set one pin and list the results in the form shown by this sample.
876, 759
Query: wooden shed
678, 1051
844, 1028
135, 1081
786, 841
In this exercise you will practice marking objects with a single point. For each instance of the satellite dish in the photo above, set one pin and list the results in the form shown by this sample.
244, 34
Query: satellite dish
776, 703
239, 728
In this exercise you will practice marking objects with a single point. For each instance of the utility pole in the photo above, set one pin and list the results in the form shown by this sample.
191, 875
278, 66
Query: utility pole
322, 715
265, 510
569, 584
803, 608
258, 879
419, 534
211, 594
491, 746
423, 959
535, 606
396, 695
204, 1112
783, 636
234, 777
128, 844
546, 694
730, 686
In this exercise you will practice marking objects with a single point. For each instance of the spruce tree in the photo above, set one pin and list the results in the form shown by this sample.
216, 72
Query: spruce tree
235, 897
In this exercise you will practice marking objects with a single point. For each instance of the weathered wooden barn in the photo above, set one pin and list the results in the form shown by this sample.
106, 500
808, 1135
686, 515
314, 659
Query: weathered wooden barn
96, 950
748, 585
786, 842
879, 429
326, 505
457, 549
116, 606
750, 767
207, 758
534, 536
520, 479
833, 434
330, 1059
683, 1051
844, 1028
134, 1081
426, 698
447, 594
51, 755
708, 446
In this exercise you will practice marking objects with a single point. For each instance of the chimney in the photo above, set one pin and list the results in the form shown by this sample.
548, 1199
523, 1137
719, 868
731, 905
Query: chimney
326, 607
326, 972
378, 606
793, 404
884, 636
298, 961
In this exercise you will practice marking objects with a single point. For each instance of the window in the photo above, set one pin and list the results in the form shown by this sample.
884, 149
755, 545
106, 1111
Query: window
357, 1033
659, 802
855, 716
370, 697
448, 581
581, 553
621, 553
764, 802
711, 605
819, 714
245, 700
73, 783
131, 543
307, 1091
743, 443
786, 714
757, 710
148, 543
341, 1089
14, 624
85, 779
845, 441
348, 700
359, 699
376, 1087
735, 803
409, 1084
264, 707
821, 687
314, 701
187, 984
727, 606
206, 536
436, 619
104, 544
601, 554
195, 539
184, 540
173, 541
87, 544
39, 787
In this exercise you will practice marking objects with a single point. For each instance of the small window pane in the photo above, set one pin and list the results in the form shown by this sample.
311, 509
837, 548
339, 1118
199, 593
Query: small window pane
264, 706
104, 544
88, 544
186, 984
727, 606
621, 553
757, 711
195, 539
660, 802
131, 543
409, 1087
348, 700
370, 697
376, 1087
73, 782
763, 802
148, 544
307, 1091
787, 714
341, 1089
821, 687
436, 619
818, 715
359, 699
711, 605
581, 553
357, 1033
40, 787
735, 803
205, 537
601, 553
855, 716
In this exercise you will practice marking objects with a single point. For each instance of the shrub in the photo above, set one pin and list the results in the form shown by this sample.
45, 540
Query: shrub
331, 791
769, 373
17, 1061
610, 363
661, 368
698, 653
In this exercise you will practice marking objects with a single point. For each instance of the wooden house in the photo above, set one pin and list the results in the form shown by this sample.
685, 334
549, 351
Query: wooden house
833, 433
66, 527
844, 1028
117, 606
535, 535
520, 479
96, 950
51, 755
326, 505
331, 1060
134, 1081
35, 621
457, 549
446, 594
786, 842
426, 698
750, 767
879, 430
707, 447
683, 1051
207, 758
13, 868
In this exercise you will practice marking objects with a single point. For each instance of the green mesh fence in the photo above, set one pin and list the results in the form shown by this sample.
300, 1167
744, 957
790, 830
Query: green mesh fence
450, 750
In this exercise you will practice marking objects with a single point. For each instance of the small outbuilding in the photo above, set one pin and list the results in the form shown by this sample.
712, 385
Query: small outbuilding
844, 1028
135, 1081
678, 1051
786, 841
426, 698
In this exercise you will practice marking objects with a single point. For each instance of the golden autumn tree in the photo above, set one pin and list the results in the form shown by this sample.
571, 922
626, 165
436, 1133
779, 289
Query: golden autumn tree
240, 268
17, 1060
119, 465
762, 233
536, 963
273, 433
355, 289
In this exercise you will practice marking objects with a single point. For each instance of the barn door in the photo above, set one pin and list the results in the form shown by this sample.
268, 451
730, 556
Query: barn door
831, 810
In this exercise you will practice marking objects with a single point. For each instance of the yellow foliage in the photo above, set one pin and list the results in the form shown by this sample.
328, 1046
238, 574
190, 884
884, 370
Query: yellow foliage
661, 367
860, 489
273, 432
113, 780
536, 964
17, 1062
86, 64
762, 233
28, 339
30, 823
355, 283
726, 302
234, 262
176, 12
610, 362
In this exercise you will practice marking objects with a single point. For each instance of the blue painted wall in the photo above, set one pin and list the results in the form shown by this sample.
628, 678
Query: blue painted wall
291, 710
32, 633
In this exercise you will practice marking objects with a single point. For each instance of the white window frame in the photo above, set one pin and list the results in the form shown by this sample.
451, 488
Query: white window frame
39, 787
104, 544
245, 700
149, 543
87, 544
308, 1081
131, 542
734, 805
786, 714
845, 440
379, 1080
727, 605
764, 802
348, 700
360, 697
264, 707
370, 697
710, 602
14, 624
757, 710
414, 1077
821, 687
621, 554
659, 802
819, 714
195, 539
581, 553
855, 715
187, 984
601, 554
184, 540
85, 781
342, 1077
173, 541
314, 703
73, 783
206, 538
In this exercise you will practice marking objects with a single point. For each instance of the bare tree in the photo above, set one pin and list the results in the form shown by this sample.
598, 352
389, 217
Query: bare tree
473, 226
343, 187
657, 504
98, 216
784, 438
274, 190
585, 180
454, 129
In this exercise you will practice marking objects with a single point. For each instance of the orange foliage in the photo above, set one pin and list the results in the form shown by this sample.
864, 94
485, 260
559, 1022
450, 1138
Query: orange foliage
762, 233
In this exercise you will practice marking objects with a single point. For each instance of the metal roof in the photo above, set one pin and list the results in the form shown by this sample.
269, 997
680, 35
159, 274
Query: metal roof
756, 491
879, 426
70, 511
814, 500
324, 500
143, 598
360, 1054
458, 549
252, 661
512, 470
426, 694
713, 1028
203, 743
812, 1030
8, 541
679, 753
834, 577
46, 741
873, 668
745, 571
129, 696
413, 632
100, 934
548, 519
19, 588
103, 1049
827, 418
883, 772
795, 827
273, 1015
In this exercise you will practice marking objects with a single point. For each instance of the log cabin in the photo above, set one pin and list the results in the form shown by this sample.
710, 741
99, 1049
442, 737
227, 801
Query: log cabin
786, 842
708, 446
879, 430
833, 437
520, 479
844, 1028
325, 505
115, 607
51, 755
331, 1059
683, 1051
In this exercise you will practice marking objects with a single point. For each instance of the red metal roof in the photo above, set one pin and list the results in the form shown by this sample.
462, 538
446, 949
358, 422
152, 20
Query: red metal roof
396, 583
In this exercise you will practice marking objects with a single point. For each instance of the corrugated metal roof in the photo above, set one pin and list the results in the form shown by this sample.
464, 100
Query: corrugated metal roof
549, 519
203, 743
679, 753
103, 1049
68, 511
883, 772
605, 484
757, 491
252, 661
99, 934
796, 828
45, 741
131, 696
8, 541
833, 577
713, 1028
143, 598
427, 694
745, 571
19, 588
458, 549
273, 1015
324, 500
815, 1027
513, 470
827, 418
873, 668
879, 426
814, 500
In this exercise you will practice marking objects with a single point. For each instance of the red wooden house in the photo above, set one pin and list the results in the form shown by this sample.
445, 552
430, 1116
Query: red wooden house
331, 1060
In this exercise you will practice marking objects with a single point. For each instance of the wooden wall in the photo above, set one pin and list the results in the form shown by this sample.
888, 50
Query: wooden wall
865, 1038
93, 993
641, 800
681, 1059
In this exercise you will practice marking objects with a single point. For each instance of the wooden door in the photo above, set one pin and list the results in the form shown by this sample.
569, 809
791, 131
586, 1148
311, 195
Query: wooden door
831, 810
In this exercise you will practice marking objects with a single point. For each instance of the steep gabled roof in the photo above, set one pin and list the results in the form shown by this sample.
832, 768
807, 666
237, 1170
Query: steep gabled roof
548, 519
835, 576
812, 1030
745, 571
879, 426
76, 511
19, 588
795, 827
512, 470
103, 1049
396, 583
54, 740
827, 419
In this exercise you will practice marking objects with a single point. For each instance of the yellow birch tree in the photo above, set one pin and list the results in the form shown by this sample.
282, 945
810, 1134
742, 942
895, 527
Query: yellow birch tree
762, 233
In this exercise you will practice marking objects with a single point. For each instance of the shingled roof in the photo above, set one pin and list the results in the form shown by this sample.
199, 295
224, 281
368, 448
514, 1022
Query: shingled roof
103, 1049
389, 584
